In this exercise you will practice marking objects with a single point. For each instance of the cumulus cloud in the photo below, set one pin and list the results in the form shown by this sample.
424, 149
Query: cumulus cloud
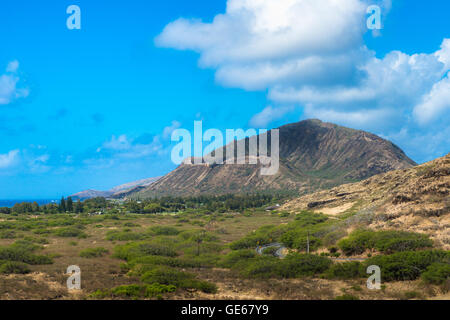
126, 147
257, 43
9, 89
434, 104
167, 132
9, 159
12, 66
268, 115
444, 54
116, 143
312, 54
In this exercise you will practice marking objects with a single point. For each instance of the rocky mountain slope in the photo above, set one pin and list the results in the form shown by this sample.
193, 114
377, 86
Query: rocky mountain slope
313, 155
415, 199
116, 192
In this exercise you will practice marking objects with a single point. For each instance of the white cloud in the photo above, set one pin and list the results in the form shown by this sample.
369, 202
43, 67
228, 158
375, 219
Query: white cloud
266, 116
116, 143
9, 91
9, 159
125, 147
434, 104
368, 119
167, 132
13, 66
271, 41
397, 80
312, 54
444, 53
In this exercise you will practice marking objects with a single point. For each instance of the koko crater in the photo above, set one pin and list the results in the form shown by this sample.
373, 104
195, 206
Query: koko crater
313, 155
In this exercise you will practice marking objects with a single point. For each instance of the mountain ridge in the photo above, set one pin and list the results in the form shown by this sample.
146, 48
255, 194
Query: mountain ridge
115, 192
313, 155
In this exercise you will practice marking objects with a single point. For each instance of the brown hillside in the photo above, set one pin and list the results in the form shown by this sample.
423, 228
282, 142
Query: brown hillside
313, 155
415, 199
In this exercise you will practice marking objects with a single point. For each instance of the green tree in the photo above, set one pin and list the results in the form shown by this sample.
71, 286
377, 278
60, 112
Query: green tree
35, 207
78, 207
62, 205
69, 204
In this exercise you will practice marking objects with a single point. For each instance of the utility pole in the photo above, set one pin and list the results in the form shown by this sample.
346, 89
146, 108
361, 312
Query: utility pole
307, 243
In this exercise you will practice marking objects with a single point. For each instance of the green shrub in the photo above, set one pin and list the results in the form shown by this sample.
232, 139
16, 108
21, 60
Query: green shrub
22, 251
156, 289
258, 267
7, 234
135, 291
130, 224
93, 252
179, 279
234, 257
36, 240
164, 230
298, 239
346, 270
132, 290
437, 273
333, 237
408, 265
346, 297
309, 218
14, 267
262, 236
297, 265
139, 249
125, 235
384, 241
69, 232
142, 264
408, 295
165, 276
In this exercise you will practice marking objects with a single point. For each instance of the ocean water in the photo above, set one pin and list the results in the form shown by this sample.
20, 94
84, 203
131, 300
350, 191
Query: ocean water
11, 203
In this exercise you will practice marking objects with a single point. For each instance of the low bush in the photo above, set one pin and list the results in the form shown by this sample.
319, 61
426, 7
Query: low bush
408, 265
260, 237
125, 235
179, 279
22, 251
258, 267
384, 241
298, 265
164, 230
14, 267
346, 270
437, 273
139, 249
69, 232
134, 291
346, 297
93, 252
7, 234
229, 260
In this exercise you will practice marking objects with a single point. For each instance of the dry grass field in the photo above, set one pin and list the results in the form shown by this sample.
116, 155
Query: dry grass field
106, 271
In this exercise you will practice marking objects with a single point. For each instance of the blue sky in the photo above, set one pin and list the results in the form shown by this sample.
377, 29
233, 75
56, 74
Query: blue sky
94, 108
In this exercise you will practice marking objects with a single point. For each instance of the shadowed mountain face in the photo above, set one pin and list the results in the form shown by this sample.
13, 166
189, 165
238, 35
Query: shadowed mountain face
313, 155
